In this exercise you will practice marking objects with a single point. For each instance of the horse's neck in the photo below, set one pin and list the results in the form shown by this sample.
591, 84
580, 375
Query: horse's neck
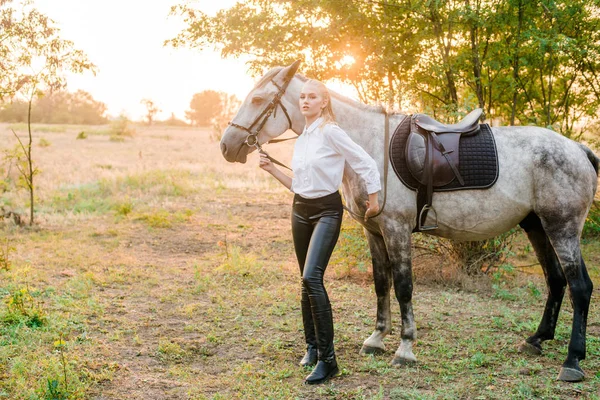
363, 125
366, 126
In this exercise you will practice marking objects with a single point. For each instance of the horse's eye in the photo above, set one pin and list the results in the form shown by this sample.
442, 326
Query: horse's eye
257, 100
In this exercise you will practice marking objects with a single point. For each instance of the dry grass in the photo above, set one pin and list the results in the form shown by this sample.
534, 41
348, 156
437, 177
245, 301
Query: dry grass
169, 274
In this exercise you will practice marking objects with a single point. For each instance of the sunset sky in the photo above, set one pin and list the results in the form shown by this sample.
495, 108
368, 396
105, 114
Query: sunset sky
124, 38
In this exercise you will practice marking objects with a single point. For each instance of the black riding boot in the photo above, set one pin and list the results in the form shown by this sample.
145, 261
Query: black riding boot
327, 365
310, 358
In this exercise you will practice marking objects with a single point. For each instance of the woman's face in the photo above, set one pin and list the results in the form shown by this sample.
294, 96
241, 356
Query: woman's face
312, 101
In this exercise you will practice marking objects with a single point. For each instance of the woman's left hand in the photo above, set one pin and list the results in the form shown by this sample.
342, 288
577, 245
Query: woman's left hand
372, 207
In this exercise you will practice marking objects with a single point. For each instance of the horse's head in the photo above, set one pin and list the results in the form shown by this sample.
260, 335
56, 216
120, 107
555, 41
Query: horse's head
267, 112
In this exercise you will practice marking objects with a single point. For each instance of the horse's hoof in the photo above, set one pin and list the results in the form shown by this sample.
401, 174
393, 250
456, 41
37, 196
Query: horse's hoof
368, 350
528, 348
401, 361
570, 375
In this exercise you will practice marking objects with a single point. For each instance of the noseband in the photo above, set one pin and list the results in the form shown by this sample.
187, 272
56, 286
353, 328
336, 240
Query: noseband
261, 120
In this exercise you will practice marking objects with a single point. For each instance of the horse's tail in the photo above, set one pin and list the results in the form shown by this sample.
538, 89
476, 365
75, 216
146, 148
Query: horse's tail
592, 157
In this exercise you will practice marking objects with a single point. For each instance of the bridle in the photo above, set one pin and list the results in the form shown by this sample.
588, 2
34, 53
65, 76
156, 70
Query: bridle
261, 119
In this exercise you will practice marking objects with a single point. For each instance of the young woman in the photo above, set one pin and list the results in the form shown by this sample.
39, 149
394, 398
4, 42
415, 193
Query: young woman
318, 165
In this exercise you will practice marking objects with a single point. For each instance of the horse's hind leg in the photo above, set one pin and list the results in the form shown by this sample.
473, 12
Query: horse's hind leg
565, 240
382, 275
555, 280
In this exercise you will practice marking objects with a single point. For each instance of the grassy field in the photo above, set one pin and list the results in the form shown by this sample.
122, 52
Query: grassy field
159, 271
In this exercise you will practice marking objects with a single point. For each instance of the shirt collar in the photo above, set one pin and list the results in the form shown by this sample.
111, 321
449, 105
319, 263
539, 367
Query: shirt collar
310, 129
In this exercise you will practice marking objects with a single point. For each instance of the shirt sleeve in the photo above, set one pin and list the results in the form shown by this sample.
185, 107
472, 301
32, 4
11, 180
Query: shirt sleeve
360, 161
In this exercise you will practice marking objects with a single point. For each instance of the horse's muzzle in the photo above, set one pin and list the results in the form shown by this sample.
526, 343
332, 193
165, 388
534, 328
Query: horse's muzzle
237, 153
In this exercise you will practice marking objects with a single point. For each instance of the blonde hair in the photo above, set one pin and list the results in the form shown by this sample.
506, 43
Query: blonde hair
327, 113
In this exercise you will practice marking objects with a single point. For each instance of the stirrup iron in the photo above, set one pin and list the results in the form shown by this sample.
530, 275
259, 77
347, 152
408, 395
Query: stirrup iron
425, 209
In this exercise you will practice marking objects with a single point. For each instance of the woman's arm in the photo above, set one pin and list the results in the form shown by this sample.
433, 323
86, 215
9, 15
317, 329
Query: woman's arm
362, 163
358, 159
268, 166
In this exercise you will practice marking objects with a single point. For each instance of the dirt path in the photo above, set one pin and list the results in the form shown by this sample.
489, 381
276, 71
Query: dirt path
189, 324
164, 307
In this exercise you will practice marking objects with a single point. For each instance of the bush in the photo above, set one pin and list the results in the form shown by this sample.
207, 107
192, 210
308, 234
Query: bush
59, 107
476, 258
121, 127
591, 228
472, 258
22, 307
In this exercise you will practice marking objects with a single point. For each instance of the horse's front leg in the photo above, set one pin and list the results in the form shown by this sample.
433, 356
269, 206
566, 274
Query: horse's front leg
382, 275
398, 244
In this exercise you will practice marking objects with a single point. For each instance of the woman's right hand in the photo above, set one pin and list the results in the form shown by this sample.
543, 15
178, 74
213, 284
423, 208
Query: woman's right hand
265, 163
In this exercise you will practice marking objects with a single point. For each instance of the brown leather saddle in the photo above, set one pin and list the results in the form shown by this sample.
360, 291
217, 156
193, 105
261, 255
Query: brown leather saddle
433, 155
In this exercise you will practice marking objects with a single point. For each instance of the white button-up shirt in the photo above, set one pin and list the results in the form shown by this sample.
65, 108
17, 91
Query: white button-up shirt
318, 161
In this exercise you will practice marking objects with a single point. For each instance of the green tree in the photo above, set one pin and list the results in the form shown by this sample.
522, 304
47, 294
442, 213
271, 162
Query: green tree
151, 110
204, 106
353, 41
229, 106
522, 61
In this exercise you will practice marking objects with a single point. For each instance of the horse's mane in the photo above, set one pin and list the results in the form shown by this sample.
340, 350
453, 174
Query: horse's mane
267, 77
347, 100
274, 71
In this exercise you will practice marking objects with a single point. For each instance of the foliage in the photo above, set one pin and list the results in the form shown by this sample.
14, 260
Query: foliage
5, 250
164, 219
523, 62
473, 258
482, 256
229, 106
33, 54
352, 254
27, 171
591, 228
34, 59
60, 107
22, 307
204, 106
33, 363
211, 108
121, 127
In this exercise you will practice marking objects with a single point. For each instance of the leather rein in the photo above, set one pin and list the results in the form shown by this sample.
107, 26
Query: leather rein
261, 120
386, 161
271, 109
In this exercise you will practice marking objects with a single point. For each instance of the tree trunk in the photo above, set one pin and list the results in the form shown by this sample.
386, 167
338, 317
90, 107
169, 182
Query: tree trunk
445, 48
29, 178
392, 94
474, 33
516, 64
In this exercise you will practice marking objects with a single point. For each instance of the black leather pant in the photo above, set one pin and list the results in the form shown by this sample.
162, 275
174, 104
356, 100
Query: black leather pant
316, 227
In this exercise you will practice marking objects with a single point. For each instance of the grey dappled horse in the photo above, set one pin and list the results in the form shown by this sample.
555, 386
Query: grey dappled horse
546, 184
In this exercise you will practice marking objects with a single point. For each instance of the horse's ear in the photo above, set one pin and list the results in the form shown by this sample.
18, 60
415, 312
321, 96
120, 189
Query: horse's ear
288, 72
293, 68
